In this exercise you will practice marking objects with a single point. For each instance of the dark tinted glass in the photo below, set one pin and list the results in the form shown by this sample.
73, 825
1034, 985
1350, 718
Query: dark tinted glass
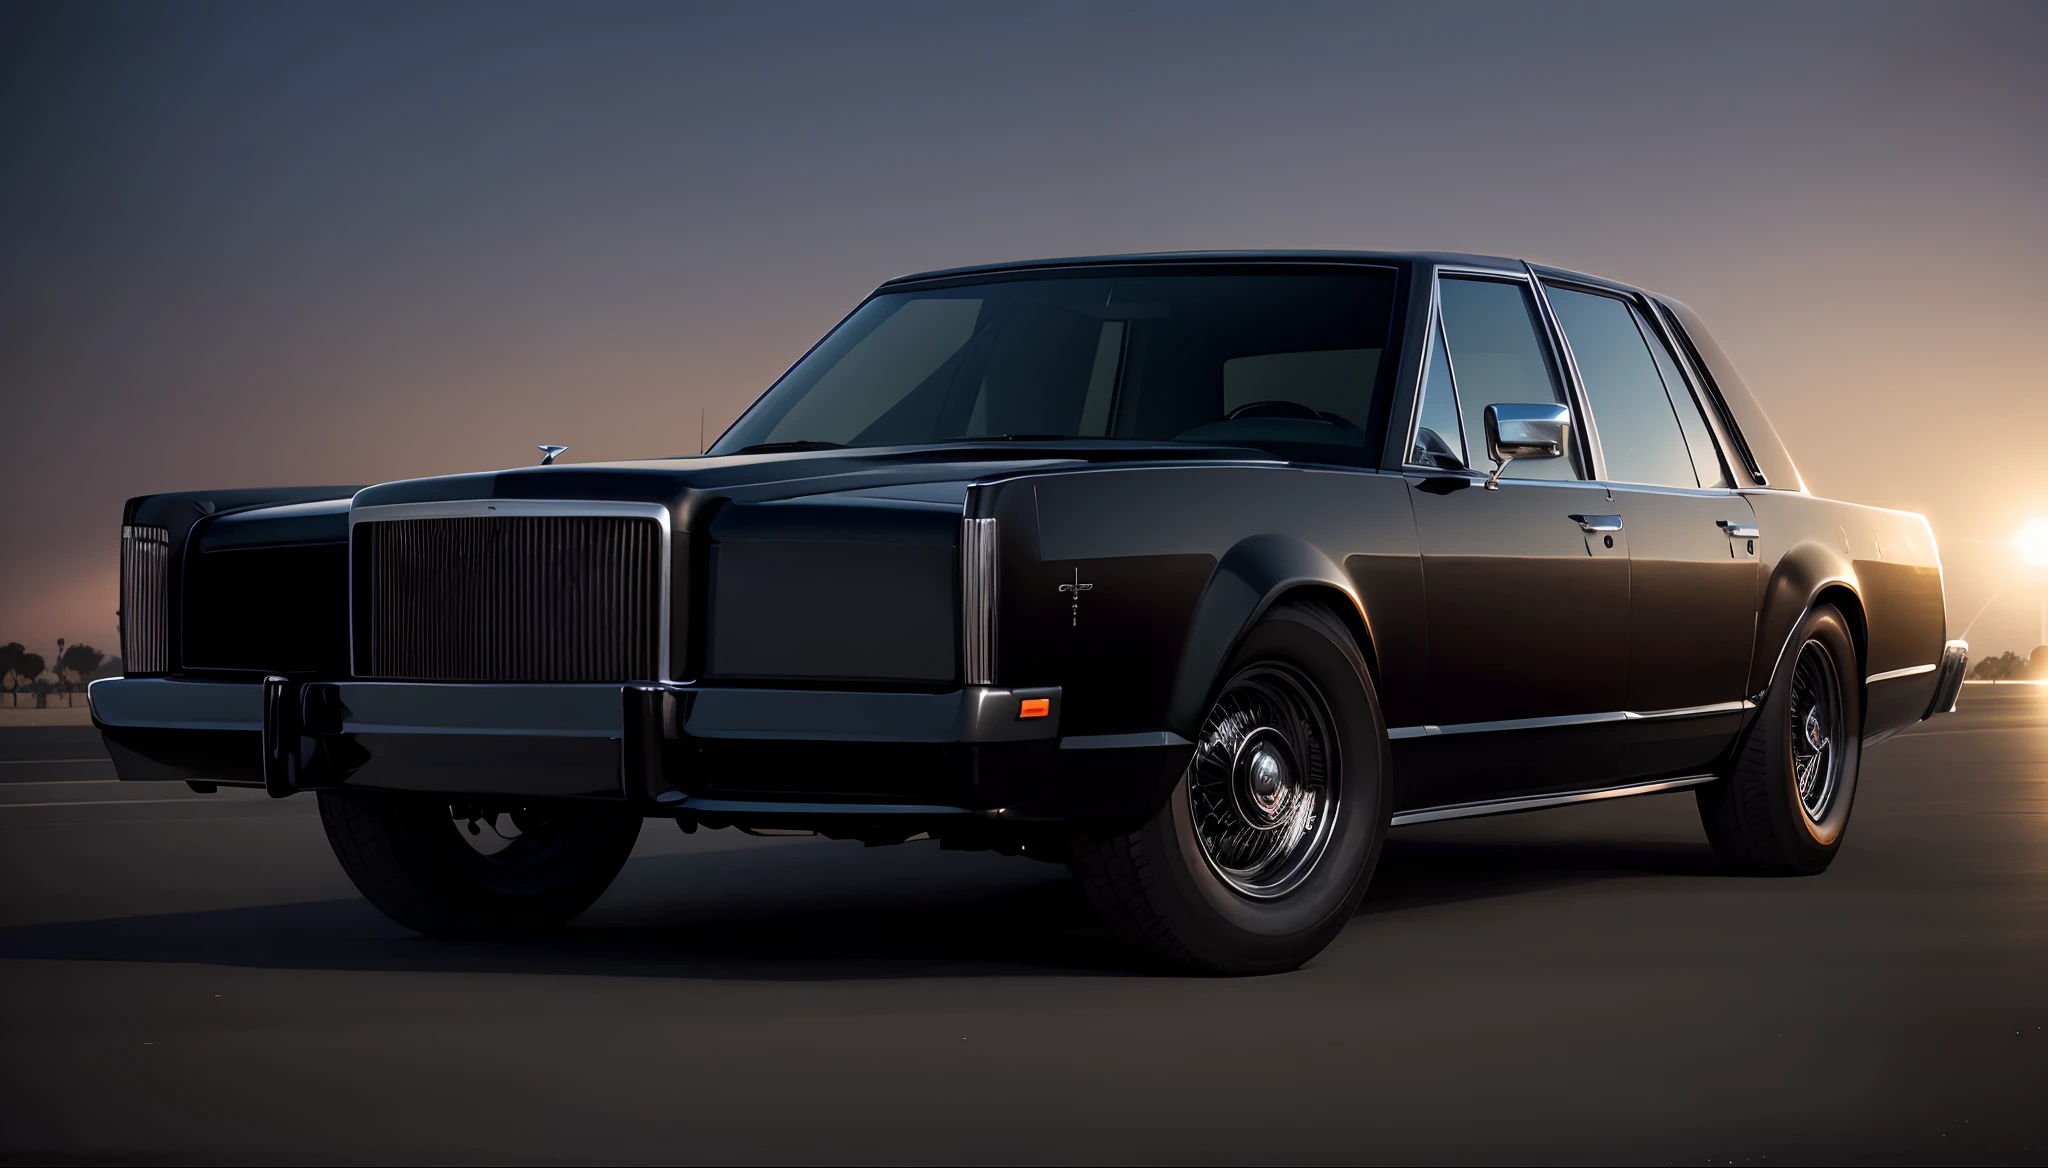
1699, 440
1439, 442
1282, 362
1639, 433
1497, 357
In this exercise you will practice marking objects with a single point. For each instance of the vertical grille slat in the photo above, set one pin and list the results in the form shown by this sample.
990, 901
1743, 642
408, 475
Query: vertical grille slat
145, 599
556, 598
978, 601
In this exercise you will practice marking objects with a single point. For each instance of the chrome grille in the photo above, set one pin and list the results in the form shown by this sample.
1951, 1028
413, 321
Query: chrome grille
560, 598
978, 601
145, 599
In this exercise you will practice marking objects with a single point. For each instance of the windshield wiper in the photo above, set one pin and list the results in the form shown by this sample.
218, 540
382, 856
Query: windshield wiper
778, 447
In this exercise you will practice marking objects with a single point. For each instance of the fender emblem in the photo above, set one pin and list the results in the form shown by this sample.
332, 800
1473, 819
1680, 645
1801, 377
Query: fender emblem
1075, 590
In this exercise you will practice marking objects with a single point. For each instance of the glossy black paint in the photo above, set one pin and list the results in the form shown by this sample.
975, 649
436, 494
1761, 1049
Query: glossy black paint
1126, 573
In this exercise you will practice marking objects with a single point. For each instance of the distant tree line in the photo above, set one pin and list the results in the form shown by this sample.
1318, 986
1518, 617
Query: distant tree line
25, 673
2010, 666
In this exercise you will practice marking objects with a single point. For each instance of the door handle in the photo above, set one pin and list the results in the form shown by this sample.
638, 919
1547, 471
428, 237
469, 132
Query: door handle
1595, 524
1739, 530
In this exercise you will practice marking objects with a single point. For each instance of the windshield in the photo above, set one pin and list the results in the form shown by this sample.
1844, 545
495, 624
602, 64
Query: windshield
1286, 361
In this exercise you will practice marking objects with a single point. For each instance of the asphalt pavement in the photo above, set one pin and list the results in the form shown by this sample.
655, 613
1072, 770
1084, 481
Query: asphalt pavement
191, 978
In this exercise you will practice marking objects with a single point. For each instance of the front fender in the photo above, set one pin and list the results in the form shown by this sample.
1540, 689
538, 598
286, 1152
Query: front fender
1248, 579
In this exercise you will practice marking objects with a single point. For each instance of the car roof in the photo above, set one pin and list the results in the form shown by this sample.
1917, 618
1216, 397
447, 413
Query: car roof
1255, 256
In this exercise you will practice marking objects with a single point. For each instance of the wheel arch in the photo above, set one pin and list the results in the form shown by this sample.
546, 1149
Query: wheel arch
1256, 574
1807, 576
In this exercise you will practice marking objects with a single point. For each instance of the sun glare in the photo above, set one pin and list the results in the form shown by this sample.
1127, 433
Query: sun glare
2031, 542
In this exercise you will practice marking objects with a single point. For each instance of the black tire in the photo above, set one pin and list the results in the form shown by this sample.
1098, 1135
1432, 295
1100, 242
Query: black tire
407, 855
1162, 889
1759, 819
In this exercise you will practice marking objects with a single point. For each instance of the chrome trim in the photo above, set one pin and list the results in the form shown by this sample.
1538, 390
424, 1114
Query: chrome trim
1735, 450
1415, 401
1435, 326
1574, 383
1538, 802
160, 703
145, 616
978, 601
1738, 530
1955, 666
1595, 524
1122, 741
1560, 720
477, 508
1895, 674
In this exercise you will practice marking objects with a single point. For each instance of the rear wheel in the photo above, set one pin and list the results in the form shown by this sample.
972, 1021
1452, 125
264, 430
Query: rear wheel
1785, 808
1263, 850
468, 867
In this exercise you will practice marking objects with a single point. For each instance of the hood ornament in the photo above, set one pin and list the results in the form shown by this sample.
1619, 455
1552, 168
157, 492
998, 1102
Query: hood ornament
549, 453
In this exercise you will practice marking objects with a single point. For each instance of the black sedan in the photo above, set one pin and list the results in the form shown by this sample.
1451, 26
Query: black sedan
1195, 573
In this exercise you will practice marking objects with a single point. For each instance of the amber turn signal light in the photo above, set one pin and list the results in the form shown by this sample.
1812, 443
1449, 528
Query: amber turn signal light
1034, 707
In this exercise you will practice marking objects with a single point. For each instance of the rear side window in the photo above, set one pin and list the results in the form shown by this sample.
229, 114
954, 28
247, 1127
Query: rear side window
1634, 415
1699, 440
1496, 355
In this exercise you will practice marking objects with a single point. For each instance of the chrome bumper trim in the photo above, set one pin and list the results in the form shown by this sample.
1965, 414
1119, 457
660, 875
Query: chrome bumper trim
1948, 685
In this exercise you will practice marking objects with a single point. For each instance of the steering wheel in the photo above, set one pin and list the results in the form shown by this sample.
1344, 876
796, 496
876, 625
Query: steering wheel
1280, 409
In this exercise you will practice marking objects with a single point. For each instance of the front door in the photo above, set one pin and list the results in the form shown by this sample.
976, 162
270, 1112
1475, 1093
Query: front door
1527, 586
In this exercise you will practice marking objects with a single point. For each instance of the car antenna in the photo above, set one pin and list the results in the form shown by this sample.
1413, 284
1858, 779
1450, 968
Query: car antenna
548, 454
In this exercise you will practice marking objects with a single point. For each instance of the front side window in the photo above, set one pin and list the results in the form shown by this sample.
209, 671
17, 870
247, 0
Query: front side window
1492, 354
1284, 362
1638, 428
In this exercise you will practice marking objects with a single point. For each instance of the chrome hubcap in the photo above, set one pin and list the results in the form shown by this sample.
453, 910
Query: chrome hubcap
1262, 788
1816, 723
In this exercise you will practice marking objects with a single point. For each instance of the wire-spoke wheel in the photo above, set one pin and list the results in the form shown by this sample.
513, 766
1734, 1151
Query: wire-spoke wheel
1816, 724
1785, 807
1260, 854
1263, 788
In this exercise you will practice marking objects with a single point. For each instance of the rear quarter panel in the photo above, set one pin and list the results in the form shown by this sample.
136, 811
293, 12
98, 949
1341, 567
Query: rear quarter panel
1887, 561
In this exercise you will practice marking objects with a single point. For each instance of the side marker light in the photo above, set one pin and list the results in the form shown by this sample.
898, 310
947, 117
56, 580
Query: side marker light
1034, 708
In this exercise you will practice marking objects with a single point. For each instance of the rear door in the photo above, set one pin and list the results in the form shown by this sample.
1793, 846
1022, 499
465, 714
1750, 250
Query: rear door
1691, 538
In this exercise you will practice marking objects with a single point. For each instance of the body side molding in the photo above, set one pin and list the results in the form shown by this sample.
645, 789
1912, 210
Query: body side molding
1537, 802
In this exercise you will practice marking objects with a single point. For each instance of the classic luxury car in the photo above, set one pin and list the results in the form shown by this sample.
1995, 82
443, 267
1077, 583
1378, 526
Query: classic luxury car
1196, 573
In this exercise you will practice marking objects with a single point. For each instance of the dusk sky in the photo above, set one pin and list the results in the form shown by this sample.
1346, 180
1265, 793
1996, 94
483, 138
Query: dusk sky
282, 243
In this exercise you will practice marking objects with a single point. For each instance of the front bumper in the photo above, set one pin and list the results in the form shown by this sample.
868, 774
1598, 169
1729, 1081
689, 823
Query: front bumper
711, 751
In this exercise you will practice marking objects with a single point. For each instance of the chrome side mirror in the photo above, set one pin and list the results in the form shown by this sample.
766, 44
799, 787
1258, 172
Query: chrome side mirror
1524, 430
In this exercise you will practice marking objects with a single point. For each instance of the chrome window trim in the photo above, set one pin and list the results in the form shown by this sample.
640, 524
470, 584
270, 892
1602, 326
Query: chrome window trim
1561, 720
1567, 375
1537, 802
483, 508
1736, 456
1646, 308
1575, 386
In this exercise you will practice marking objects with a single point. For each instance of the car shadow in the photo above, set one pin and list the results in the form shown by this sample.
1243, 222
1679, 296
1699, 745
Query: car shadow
812, 913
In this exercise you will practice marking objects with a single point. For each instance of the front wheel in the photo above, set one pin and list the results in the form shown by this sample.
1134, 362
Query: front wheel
1264, 848
450, 866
